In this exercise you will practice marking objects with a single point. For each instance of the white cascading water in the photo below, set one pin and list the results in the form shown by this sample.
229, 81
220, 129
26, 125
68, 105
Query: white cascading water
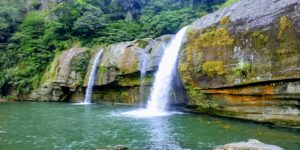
160, 91
145, 59
93, 75
164, 76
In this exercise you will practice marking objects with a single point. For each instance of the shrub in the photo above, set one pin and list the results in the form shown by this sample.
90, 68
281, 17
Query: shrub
242, 69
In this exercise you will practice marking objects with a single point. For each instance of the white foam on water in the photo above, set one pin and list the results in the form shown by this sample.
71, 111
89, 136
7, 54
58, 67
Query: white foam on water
82, 103
145, 113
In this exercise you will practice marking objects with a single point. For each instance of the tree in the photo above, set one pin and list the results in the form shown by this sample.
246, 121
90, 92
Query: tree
92, 19
11, 15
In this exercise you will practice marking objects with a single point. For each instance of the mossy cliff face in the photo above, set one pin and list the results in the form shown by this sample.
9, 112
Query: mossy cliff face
244, 62
119, 78
62, 77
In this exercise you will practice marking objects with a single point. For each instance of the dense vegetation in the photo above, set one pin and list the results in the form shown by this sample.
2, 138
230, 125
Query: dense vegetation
31, 32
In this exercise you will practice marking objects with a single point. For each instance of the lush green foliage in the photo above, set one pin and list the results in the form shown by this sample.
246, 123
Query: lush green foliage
80, 63
30, 33
11, 15
117, 31
30, 50
91, 20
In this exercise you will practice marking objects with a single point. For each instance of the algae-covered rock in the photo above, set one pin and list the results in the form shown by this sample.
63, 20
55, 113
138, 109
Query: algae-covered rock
124, 59
243, 61
118, 79
60, 77
119, 70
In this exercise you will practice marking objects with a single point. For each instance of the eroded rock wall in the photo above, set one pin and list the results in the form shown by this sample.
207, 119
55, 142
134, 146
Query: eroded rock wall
119, 73
60, 78
243, 61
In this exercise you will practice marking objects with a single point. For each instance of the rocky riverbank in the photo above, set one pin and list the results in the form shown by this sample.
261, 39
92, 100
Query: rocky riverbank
2, 100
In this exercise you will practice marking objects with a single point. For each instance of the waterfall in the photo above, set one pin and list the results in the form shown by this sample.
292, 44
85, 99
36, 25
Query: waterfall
93, 75
145, 59
159, 98
164, 76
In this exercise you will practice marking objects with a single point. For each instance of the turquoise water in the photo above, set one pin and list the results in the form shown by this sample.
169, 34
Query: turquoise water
32, 125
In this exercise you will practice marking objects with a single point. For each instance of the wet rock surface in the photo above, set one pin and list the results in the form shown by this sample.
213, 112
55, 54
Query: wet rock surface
119, 74
121, 147
59, 79
251, 144
243, 61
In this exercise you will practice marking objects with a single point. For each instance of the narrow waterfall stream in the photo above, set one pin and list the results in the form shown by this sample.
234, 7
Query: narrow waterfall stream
93, 75
159, 98
145, 59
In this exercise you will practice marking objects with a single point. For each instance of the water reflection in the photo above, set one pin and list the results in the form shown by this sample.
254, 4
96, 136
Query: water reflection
84, 129
161, 134
64, 126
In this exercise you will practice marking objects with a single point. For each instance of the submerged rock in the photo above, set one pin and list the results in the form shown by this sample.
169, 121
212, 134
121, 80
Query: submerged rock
121, 147
251, 144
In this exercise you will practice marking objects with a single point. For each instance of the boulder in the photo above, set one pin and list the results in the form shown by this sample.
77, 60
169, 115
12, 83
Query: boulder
120, 147
251, 144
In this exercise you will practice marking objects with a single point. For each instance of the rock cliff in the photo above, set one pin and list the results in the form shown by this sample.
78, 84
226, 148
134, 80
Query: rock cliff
119, 77
119, 74
61, 78
244, 62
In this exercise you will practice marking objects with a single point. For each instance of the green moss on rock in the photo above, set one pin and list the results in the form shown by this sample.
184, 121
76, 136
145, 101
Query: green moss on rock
133, 80
142, 43
213, 68
260, 40
210, 40
224, 20
286, 36
51, 70
242, 70
80, 63
217, 111
101, 72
